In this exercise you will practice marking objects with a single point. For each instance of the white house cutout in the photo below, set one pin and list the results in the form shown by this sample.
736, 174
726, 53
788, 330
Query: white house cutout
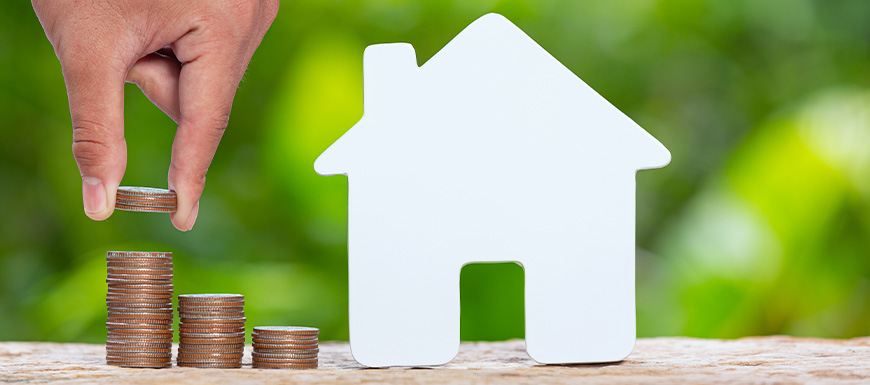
491, 151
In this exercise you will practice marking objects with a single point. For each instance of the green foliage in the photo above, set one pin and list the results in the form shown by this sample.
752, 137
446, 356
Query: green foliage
761, 224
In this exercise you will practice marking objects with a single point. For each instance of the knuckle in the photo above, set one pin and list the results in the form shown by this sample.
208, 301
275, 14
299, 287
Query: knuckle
79, 65
74, 59
212, 124
239, 16
86, 129
81, 37
228, 23
209, 129
192, 177
89, 146
216, 124
88, 154
220, 122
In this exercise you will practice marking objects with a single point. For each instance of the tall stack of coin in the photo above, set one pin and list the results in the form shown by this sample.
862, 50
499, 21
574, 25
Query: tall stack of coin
146, 199
212, 330
285, 347
139, 303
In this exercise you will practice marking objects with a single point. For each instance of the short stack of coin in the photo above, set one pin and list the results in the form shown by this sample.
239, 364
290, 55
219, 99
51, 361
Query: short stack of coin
146, 199
212, 330
285, 347
139, 303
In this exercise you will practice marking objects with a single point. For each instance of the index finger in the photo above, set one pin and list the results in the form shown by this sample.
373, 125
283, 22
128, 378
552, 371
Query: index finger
207, 86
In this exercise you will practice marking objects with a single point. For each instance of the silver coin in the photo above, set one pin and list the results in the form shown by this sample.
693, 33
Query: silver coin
285, 329
209, 297
131, 312
151, 269
207, 335
132, 293
269, 365
127, 283
142, 198
145, 204
205, 321
128, 325
121, 317
139, 338
146, 191
210, 308
307, 360
146, 209
210, 340
239, 313
225, 354
140, 305
215, 359
288, 349
139, 253
133, 255
203, 348
148, 199
279, 339
135, 298
285, 355
139, 354
206, 305
156, 261
200, 314
143, 294
215, 315
211, 347
139, 332
210, 364
160, 276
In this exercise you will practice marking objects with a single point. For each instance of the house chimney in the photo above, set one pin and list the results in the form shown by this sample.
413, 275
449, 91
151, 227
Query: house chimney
387, 70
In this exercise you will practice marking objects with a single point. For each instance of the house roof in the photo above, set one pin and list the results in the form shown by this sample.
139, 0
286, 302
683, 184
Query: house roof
493, 69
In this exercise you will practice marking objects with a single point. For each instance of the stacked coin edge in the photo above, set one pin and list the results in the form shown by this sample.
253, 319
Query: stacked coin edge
139, 309
285, 347
146, 199
211, 330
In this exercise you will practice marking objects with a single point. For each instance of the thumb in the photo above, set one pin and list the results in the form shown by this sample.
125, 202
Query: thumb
96, 101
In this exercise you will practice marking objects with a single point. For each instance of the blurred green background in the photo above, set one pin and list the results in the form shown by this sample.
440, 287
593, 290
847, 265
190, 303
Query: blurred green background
760, 225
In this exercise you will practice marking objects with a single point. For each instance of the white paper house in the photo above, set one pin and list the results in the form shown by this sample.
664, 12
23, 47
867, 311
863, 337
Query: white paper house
491, 151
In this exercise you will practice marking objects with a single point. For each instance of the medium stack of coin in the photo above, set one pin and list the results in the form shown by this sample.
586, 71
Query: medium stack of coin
285, 347
212, 330
146, 199
139, 303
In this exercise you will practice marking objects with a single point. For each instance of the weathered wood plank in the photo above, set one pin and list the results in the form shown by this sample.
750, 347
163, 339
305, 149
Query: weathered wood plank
656, 360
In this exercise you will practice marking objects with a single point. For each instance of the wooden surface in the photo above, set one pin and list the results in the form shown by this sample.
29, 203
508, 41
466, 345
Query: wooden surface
656, 360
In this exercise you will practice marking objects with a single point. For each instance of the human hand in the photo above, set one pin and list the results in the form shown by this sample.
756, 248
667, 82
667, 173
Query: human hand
187, 57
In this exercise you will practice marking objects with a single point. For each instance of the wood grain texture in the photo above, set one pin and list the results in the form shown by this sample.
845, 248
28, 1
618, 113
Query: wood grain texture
655, 360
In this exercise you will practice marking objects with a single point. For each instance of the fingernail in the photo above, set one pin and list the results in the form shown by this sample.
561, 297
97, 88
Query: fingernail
93, 195
192, 218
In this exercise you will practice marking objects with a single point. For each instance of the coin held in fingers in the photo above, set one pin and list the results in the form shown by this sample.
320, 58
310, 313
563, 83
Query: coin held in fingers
146, 199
